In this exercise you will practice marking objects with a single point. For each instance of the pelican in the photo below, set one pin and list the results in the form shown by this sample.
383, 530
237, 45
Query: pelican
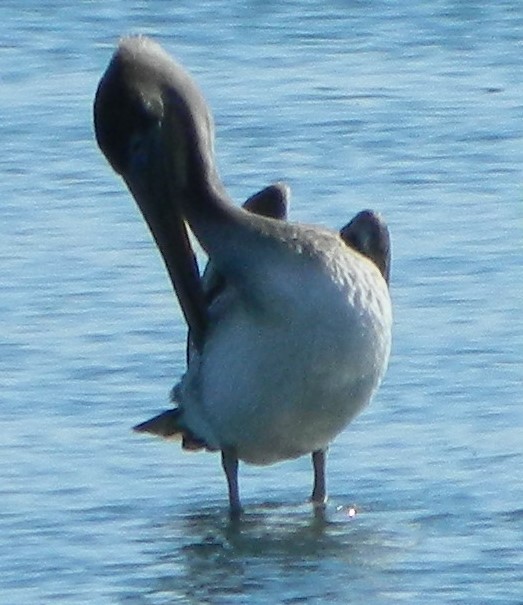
290, 327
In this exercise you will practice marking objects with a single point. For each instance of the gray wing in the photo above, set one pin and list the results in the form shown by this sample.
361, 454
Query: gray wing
368, 233
272, 202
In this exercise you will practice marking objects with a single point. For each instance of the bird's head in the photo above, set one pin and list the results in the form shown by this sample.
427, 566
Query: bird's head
151, 121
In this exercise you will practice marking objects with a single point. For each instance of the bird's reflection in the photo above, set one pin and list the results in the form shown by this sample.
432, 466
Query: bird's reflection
206, 557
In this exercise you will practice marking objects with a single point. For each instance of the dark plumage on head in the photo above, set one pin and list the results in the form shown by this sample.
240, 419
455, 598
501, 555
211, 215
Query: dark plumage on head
143, 93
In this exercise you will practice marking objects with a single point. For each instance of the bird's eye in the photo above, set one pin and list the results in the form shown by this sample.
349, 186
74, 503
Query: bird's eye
136, 143
138, 149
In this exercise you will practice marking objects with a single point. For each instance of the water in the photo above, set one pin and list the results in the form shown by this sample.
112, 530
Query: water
410, 108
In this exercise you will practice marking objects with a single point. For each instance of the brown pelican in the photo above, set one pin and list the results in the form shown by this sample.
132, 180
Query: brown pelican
290, 329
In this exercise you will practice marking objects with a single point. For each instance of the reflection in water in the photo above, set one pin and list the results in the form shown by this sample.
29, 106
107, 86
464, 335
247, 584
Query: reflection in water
296, 554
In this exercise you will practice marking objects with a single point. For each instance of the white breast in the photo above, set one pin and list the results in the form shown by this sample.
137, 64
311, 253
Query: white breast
283, 380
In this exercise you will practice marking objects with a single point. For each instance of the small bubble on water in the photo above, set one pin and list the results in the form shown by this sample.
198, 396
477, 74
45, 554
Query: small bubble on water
349, 511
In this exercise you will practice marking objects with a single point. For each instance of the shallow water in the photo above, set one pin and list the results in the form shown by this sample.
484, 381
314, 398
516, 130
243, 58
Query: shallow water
414, 110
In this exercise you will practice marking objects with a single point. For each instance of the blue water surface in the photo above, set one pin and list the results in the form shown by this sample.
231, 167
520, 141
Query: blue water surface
414, 109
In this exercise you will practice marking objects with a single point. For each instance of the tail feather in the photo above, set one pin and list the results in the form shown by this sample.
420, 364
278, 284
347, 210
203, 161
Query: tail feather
166, 424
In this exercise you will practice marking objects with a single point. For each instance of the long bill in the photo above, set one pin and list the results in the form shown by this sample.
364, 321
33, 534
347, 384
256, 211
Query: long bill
153, 195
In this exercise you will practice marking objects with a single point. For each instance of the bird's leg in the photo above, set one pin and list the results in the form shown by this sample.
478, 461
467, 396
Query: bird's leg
230, 467
319, 491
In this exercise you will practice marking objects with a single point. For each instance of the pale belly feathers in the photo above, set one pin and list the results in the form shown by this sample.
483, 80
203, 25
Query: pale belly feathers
280, 381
